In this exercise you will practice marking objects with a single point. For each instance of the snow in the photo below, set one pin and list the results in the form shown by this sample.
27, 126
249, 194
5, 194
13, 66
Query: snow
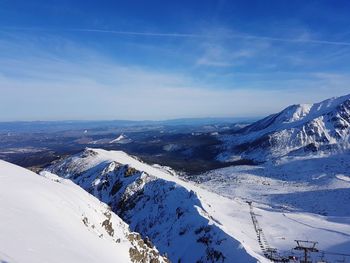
294, 195
176, 215
121, 139
171, 147
296, 198
283, 195
306, 112
343, 177
297, 130
302, 182
22, 150
50, 219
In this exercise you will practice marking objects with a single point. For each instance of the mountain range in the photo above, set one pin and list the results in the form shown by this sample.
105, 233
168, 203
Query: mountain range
108, 206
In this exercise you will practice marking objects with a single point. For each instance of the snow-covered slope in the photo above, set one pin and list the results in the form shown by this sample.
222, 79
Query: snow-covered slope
171, 212
298, 129
299, 198
192, 224
49, 219
319, 185
121, 139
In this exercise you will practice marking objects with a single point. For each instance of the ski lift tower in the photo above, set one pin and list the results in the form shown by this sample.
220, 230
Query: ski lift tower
322, 260
307, 247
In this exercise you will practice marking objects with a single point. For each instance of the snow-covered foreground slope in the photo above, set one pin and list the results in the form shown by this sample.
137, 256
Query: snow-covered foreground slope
298, 129
50, 219
191, 223
182, 220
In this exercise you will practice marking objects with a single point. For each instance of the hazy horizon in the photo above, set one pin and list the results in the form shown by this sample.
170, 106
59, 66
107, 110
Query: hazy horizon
231, 119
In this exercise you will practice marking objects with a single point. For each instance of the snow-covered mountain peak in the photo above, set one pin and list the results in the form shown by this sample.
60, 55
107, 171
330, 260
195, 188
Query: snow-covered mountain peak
323, 126
295, 113
312, 111
299, 113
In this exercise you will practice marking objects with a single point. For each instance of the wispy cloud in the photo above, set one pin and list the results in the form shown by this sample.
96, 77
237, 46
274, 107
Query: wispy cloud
220, 53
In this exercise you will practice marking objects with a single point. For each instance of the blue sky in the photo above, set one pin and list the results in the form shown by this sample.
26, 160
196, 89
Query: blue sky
131, 59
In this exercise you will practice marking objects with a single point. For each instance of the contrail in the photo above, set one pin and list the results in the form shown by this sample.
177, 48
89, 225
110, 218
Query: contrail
133, 33
311, 41
189, 35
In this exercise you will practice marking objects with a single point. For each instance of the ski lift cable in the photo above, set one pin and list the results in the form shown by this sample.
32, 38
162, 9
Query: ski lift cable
335, 253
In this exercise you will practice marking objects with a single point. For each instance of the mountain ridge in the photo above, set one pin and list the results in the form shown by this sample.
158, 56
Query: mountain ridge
155, 203
299, 128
